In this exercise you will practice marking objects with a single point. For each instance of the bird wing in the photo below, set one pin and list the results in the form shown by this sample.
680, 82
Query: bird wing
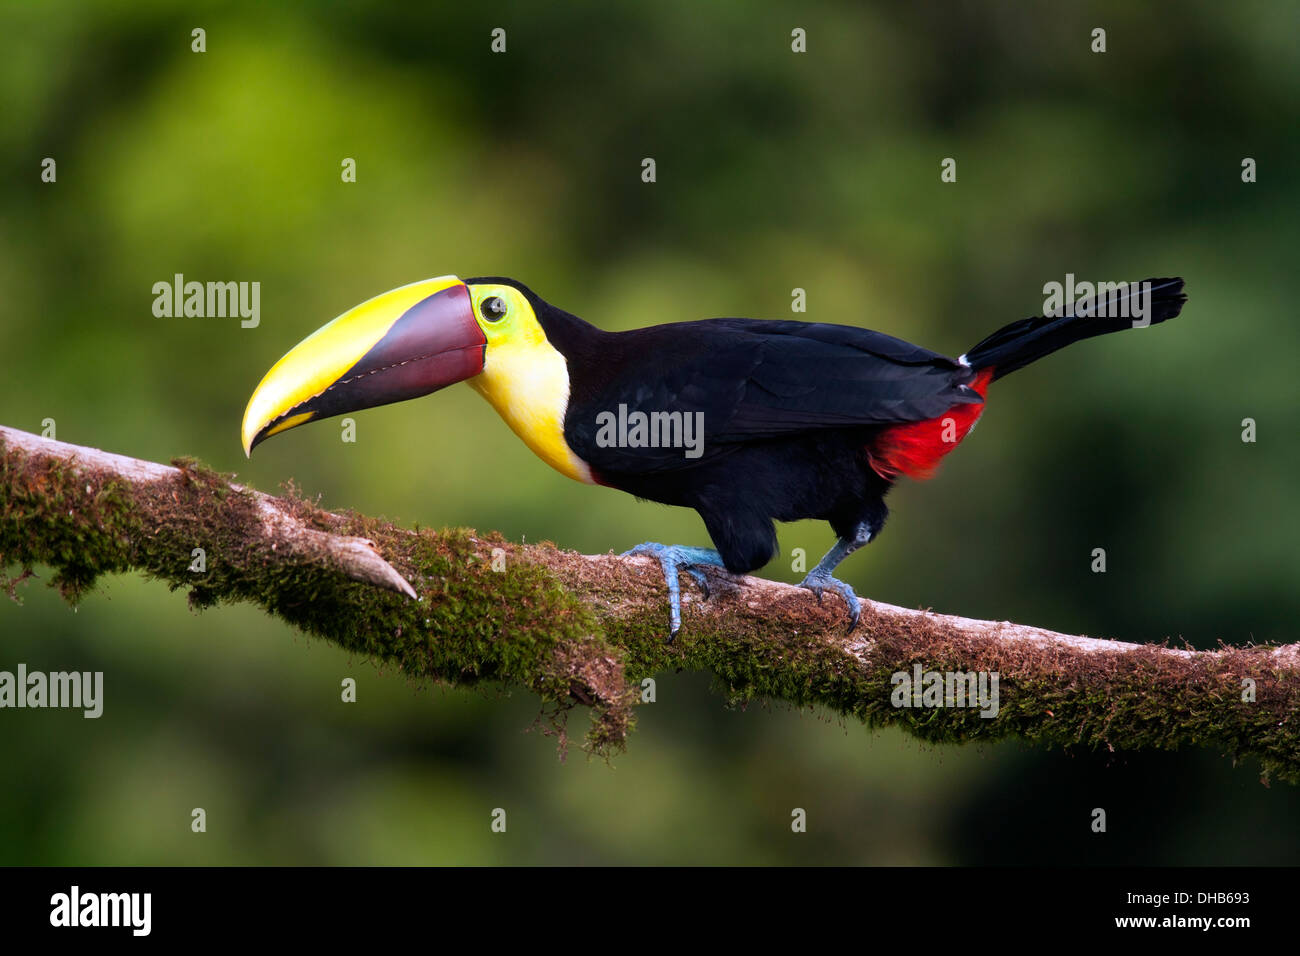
748, 380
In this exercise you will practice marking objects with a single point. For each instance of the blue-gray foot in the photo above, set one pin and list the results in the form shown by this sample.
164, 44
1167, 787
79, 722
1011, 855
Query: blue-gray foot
818, 581
673, 558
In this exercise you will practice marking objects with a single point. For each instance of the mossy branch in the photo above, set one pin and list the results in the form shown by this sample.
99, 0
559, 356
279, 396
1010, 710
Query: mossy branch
465, 608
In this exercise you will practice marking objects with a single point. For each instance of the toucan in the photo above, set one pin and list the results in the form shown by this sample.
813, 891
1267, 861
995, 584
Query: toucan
748, 421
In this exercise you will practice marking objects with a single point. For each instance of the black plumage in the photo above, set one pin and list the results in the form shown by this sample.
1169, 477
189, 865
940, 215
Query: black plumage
791, 410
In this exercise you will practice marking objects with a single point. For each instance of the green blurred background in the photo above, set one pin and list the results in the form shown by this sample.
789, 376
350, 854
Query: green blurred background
776, 170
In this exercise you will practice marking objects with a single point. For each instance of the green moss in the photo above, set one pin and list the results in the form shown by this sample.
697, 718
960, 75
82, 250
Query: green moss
1161, 703
521, 625
472, 625
54, 514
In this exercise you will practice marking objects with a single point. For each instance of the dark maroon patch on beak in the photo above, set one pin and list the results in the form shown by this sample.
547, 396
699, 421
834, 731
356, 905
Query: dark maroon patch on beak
436, 343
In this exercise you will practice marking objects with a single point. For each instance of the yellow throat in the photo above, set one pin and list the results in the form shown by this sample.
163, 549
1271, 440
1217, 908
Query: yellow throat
527, 381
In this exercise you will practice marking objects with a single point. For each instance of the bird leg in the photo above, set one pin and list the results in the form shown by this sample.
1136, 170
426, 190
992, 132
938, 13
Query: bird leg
672, 558
819, 578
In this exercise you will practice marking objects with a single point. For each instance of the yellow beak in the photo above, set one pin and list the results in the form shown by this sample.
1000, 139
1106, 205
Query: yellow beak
399, 345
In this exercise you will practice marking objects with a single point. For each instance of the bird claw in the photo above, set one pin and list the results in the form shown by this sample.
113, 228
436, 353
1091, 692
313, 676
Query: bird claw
701, 579
673, 558
818, 583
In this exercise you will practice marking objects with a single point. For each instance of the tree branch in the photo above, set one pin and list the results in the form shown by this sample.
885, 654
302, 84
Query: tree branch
465, 608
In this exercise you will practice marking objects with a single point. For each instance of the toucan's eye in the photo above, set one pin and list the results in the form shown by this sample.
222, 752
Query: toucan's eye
493, 308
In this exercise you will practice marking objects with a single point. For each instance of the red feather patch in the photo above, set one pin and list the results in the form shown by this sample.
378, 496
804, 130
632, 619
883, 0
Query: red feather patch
916, 448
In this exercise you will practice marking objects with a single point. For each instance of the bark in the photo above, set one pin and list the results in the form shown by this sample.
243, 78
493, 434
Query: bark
585, 630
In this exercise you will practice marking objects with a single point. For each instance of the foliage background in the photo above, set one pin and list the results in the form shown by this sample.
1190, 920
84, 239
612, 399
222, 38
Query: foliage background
775, 170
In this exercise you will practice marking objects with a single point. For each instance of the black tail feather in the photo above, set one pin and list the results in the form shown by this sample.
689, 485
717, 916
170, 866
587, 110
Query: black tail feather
1016, 345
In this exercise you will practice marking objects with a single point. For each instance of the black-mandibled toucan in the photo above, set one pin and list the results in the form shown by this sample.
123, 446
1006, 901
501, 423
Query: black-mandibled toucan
792, 419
